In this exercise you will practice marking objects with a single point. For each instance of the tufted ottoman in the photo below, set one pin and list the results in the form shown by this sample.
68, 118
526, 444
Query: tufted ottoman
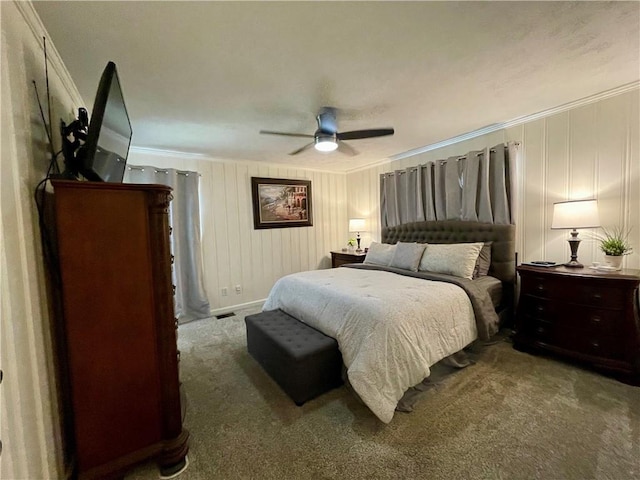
302, 360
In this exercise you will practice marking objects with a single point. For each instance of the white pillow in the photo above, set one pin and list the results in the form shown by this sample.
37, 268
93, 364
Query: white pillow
379, 254
458, 259
407, 256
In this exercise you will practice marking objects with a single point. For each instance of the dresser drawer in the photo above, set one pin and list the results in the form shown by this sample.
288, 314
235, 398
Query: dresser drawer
582, 314
541, 330
576, 291
597, 345
572, 316
539, 307
593, 343
543, 286
597, 296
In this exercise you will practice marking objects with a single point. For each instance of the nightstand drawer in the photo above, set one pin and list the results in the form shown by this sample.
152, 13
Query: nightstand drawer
340, 258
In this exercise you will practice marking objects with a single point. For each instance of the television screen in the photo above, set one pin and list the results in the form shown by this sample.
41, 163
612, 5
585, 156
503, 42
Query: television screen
105, 152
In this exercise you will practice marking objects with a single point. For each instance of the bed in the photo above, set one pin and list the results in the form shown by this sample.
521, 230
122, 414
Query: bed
394, 321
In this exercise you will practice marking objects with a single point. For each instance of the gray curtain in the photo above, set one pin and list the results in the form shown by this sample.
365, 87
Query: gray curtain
476, 187
191, 301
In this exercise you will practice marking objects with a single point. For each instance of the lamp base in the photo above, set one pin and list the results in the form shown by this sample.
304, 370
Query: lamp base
574, 243
574, 264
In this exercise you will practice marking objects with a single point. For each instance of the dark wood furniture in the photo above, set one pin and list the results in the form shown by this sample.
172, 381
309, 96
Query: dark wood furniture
119, 350
340, 258
582, 314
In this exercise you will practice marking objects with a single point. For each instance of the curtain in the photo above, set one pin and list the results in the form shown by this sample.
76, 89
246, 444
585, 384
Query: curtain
476, 187
191, 301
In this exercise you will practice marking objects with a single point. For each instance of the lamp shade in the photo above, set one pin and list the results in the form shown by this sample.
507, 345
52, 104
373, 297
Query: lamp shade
356, 224
575, 214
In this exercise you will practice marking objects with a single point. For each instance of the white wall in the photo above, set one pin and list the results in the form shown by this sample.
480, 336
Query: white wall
234, 253
590, 151
31, 436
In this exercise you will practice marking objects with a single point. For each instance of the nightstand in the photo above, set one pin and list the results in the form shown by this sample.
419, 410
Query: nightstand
582, 314
340, 258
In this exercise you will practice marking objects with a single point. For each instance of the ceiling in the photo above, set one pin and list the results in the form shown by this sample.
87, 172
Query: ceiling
206, 77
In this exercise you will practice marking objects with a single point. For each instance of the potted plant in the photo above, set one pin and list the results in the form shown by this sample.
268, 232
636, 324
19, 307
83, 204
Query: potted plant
615, 244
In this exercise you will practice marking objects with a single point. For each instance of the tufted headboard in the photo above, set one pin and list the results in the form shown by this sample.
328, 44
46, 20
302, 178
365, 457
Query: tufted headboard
503, 261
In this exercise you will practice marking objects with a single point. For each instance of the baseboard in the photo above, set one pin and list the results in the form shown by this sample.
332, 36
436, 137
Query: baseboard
240, 306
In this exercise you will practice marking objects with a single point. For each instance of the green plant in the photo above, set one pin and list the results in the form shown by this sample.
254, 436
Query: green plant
351, 242
615, 241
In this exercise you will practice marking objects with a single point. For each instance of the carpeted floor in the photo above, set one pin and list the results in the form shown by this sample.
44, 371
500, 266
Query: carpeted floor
510, 416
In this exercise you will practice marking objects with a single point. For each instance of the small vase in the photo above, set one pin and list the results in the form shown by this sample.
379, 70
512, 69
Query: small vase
614, 261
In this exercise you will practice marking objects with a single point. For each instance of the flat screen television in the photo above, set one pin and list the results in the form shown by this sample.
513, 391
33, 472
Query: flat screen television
104, 155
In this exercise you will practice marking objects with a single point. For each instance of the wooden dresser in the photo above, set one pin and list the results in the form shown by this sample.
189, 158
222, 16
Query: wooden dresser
582, 314
118, 342
340, 258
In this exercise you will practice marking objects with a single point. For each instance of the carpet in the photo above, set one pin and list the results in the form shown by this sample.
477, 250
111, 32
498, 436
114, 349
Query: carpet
510, 415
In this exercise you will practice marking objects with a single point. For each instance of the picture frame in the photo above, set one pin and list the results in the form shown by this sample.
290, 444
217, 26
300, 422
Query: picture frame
281, 203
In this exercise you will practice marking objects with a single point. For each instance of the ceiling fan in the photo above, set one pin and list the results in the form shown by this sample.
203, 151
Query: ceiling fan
327, 138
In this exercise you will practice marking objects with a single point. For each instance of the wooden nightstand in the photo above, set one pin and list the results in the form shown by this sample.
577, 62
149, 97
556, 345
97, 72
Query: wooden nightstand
582, 314
340, 258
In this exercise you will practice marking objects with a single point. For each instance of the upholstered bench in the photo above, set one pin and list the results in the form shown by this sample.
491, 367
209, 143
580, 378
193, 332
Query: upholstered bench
302, 360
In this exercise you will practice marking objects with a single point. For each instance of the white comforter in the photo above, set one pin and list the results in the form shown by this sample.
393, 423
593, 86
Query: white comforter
390, 328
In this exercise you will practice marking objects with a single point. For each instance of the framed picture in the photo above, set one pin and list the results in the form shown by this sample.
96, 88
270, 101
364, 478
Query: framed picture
280, 203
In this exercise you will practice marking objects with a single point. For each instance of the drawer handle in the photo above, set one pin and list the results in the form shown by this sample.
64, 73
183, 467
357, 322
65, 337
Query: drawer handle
540, 287
541, 330
595, 345
596, 319
596, 296
539, 308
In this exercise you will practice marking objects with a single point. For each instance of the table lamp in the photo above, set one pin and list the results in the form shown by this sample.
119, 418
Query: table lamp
575, 214
357, 225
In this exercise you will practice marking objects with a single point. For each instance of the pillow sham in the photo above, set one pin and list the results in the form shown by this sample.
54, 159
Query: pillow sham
407, 256
458, 259
379, 254
483, 263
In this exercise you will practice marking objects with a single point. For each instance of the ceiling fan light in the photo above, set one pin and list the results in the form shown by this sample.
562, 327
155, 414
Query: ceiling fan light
326, 143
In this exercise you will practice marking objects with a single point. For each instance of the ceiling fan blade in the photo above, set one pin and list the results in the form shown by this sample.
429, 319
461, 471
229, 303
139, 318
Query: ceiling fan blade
357, 134
347, 149
302, 149
269, 132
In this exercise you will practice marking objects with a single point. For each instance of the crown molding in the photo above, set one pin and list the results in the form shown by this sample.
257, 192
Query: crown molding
517, 121
54, 59
169, 153
201, 156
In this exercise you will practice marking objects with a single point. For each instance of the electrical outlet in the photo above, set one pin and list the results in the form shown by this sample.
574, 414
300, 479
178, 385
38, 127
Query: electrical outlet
223, 291
238, 289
